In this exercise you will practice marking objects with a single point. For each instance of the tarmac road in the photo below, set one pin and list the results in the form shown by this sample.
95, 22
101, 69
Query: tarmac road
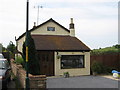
77, 82
82, 82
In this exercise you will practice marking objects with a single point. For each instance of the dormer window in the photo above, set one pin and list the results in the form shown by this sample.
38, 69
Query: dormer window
50, 28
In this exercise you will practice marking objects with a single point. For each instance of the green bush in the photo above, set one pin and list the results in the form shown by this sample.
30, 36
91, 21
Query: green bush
66, 74
19, 60
97, 67
107, 70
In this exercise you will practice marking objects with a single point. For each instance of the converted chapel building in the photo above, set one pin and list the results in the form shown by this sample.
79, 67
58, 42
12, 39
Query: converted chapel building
58, 49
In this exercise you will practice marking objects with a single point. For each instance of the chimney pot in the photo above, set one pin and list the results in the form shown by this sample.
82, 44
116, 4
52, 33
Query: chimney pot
71, 20
71, 26
34, 25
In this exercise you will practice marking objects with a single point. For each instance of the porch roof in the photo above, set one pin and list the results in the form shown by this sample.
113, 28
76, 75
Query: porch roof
58, 43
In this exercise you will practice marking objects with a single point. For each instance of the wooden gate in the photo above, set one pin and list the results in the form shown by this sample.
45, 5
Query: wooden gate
46, 59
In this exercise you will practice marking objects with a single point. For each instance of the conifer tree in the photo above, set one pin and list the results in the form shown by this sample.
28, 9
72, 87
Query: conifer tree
33, 63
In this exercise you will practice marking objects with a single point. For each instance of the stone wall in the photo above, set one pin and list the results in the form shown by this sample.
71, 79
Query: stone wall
35, 81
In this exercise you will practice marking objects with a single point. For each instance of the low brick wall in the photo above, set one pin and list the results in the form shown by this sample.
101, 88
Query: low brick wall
38, 81
35, 81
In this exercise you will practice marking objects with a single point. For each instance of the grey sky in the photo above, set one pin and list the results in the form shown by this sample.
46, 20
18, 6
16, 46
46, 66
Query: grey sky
96, 21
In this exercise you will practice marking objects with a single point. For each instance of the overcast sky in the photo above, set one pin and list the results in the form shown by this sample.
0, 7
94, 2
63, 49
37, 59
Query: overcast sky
96, 21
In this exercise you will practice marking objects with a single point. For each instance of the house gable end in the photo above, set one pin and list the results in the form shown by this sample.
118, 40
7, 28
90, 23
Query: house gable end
50, 20
44, 26
50, 28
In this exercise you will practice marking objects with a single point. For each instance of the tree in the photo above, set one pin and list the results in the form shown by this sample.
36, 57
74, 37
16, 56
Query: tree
33, 63
117, 46
11, 47
3, 49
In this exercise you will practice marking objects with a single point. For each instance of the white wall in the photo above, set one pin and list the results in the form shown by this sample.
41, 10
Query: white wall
20, 43
75, 71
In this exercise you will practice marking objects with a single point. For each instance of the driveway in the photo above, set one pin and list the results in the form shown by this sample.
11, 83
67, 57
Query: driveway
82, 82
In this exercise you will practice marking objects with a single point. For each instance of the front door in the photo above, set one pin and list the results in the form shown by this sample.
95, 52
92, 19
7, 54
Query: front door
46, 63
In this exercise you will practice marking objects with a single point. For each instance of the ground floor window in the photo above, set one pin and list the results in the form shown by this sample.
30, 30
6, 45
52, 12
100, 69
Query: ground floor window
72, 61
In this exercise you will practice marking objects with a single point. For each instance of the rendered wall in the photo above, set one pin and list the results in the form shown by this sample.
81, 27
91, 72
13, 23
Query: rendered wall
75, 71
20, 43
43, 30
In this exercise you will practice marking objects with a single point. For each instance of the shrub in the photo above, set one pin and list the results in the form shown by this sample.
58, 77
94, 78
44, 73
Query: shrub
66, 74
19, 60
97, 67
107, 70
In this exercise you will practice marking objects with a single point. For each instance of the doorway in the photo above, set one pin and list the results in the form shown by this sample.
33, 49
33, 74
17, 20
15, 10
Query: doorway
46, 59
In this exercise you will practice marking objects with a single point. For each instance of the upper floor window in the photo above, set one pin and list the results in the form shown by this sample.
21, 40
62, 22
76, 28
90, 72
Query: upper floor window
50, 28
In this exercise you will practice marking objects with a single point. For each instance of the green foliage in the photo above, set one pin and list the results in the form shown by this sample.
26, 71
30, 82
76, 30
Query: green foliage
33, 63
66, 74
3, 49
19, 60
107, 70
117, 46
11, 47
107, 50
97, 67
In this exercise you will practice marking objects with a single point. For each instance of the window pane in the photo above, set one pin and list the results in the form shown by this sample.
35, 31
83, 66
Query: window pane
72, 61
50, 28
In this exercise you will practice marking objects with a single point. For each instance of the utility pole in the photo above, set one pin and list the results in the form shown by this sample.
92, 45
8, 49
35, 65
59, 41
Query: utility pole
27, 24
